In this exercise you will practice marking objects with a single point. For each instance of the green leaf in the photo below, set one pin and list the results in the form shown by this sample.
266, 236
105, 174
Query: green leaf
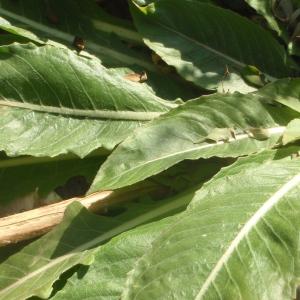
99, 31
292, 132
147, 2
63, 20
282, 17
33, 270
53, 101
285, 91
165, 86
255, 160
214, 56
219, 134
239, 239
42, 175
6, 26
175, 136
106, 277
265, 9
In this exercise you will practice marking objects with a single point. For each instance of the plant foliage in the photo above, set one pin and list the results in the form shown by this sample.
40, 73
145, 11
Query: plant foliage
195, 103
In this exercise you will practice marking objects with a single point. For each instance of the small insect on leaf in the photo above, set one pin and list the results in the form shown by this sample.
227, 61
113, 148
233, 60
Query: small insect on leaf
258, 133
137, 77
79, 43
218, 135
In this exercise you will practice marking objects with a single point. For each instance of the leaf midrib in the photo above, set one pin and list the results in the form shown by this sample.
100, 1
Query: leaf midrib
216, 52
93, 114
271, 131
249, 225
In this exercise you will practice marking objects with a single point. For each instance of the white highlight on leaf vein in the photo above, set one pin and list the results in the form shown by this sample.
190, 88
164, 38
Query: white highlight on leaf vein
264, 209
97, 114
268, 131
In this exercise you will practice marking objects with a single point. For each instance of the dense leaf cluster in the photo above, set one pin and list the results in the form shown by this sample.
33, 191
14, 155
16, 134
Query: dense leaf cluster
191, 107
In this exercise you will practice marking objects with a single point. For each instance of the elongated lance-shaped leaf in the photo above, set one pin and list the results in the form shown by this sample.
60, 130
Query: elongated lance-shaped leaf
184, 132
167, 86
255, 160
285, 91
239, 239
106, 277
6, 26
33, 270
212, 46
63, 20
53, 101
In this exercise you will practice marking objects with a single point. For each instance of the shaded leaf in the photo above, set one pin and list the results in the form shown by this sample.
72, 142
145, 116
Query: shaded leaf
285, 91
33, 270
214, 56
63, 20
22, 176
281, 16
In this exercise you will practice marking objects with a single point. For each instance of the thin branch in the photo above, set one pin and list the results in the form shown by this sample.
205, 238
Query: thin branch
33, 223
